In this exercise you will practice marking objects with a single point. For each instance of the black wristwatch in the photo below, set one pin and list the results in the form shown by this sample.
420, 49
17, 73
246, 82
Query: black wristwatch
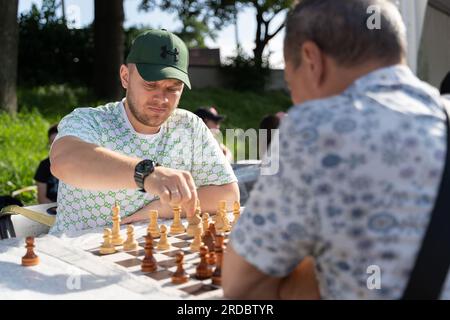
142, 170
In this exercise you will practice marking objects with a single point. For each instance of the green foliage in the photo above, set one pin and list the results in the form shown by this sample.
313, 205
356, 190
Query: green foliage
23, 144
51, 53
194, 32
200, 19
266, 11
242, 74
54, 101
269, 7
242, 109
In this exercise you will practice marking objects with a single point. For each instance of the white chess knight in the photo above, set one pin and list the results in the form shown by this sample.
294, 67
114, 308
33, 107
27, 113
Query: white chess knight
194, 223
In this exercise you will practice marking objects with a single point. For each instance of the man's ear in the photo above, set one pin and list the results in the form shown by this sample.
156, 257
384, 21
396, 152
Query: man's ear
124, 76
313, 58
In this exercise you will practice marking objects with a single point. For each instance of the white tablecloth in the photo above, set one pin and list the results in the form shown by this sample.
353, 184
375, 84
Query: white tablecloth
67, 271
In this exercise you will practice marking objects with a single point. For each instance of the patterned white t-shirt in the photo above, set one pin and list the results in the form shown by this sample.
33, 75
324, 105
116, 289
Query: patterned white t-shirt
183, 142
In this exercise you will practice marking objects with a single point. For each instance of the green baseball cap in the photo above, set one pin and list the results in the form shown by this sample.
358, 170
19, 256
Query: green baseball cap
159, 55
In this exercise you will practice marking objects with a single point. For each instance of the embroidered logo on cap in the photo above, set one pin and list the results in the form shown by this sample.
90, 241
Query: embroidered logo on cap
174, 53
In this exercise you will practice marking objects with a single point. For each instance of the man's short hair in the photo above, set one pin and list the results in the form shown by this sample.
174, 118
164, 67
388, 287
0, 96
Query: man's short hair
341, 30
52, 130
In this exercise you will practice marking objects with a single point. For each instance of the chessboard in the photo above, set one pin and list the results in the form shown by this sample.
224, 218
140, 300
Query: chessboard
166, 259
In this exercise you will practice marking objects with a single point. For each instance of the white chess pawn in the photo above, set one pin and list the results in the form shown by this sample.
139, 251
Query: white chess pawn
107, 246
130, 243
163, 243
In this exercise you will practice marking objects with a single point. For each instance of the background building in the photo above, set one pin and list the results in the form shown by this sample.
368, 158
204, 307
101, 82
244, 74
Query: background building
428, 26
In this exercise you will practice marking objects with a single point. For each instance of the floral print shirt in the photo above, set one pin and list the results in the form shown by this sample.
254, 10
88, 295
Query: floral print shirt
358, 177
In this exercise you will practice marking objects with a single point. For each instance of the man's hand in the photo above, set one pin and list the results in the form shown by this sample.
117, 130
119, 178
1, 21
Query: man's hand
174, 187
209, 197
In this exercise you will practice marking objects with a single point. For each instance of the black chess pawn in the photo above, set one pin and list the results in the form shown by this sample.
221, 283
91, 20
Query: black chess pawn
30, 258
217, 274
203, 270
179, 276
208, 240
212, 229
149, 263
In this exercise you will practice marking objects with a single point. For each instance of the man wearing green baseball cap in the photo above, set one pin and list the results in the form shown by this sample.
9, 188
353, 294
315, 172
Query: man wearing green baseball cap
169, 62
142, 152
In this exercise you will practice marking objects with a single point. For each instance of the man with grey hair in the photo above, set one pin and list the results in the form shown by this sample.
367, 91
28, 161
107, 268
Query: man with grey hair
361, 158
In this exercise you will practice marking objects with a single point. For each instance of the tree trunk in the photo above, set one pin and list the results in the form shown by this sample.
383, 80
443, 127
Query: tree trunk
9, 35
63, 10
259, 47
236, 31
258, 53
109, 48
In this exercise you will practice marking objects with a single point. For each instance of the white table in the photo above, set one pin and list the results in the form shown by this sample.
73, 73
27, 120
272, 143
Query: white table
67, 271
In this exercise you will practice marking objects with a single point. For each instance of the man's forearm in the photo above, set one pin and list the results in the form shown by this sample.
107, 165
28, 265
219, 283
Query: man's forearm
211, 195
88, 166
241, 280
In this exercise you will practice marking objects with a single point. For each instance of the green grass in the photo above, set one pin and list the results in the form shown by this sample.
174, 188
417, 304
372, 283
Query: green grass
23, 144
23, 138
243, 109
55, 101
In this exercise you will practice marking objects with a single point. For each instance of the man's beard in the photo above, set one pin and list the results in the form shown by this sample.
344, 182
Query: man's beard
143, 118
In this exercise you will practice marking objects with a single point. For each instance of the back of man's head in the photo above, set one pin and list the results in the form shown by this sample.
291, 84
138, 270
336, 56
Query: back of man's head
351, 32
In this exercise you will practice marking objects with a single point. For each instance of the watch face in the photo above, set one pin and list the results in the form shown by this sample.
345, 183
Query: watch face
145, 166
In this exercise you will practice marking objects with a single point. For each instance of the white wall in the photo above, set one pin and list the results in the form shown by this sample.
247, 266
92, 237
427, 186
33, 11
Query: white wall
413, 13
434, 54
